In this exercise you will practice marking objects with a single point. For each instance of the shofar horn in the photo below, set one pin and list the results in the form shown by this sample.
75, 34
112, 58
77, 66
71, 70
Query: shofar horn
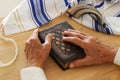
81, 9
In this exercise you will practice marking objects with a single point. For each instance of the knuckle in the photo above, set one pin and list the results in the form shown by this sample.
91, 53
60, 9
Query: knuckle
27, 43
48, 44
93, 38
87, 41
32, 40
74, 38
77, 35
76, 64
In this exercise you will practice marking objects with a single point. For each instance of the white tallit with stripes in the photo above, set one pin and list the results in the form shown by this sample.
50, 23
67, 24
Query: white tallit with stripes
31, 14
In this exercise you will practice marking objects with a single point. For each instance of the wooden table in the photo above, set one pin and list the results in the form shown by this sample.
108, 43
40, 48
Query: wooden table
53, 72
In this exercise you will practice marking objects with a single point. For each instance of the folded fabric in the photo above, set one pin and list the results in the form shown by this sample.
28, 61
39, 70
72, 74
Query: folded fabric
31, 14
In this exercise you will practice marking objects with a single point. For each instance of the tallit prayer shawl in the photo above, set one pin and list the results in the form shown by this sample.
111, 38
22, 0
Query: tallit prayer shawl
31, 14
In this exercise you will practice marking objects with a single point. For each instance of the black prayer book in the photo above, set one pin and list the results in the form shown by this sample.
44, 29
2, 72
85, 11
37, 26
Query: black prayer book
62, 52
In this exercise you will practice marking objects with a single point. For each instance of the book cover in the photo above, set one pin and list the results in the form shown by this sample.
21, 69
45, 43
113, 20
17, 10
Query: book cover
62, 52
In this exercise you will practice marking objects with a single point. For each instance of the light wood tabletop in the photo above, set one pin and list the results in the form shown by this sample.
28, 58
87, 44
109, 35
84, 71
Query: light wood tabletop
106, 71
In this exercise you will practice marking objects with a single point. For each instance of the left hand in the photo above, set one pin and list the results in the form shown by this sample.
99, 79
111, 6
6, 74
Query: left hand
35, 51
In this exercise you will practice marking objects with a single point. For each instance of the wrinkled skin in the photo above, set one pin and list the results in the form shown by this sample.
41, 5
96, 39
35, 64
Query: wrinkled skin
96, 51
36, 52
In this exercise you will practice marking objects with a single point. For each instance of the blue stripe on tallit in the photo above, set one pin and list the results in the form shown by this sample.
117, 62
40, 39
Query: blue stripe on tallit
46, 10
39, 12
31, 12
34, 13
107, 30
42, 9
101, 29
100, 5
78, 1
67, 4
118, 15
96, 26
89, 4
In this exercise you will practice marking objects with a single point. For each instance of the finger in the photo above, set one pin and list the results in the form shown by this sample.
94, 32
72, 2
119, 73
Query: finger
27, 49
31, 53
77, 31
26, 46
74, 34
34, 38
35, 33
75, 41
48, 40
80, 62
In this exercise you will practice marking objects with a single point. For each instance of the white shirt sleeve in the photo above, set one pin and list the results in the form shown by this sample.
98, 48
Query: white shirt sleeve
117, 58
32, 73
115, 1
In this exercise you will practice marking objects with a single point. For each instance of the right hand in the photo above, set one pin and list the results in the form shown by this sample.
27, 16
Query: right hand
96, 51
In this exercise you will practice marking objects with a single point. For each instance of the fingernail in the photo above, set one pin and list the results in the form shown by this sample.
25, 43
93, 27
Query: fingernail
69, 29
64, 31
36, 29
71, 65
63, 38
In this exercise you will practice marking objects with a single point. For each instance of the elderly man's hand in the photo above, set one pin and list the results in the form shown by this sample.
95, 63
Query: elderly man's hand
96, 51
36, 52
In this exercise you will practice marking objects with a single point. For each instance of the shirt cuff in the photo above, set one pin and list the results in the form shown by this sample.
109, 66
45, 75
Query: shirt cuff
114, 1
117, 58
32, 73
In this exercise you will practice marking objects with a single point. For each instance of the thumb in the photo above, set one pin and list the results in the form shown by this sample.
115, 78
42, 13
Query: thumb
35, 33
48, 40
79, 62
